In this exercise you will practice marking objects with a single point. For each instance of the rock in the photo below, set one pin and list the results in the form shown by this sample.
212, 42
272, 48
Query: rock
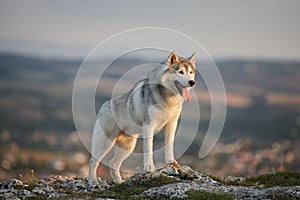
23, 193
38, 191
175, 190
10, 184
185, 179
13, 189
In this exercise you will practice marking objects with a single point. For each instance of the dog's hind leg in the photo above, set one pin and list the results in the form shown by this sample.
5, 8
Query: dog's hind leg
101, 145
125, 145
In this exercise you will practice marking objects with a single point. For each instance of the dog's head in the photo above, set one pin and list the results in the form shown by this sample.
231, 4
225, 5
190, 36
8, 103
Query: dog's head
180, 74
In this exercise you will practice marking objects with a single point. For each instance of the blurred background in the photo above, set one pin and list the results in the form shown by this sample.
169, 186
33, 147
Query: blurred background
255, 45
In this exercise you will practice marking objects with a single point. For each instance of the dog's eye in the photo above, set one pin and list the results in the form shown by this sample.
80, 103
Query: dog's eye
180, 72
191, 72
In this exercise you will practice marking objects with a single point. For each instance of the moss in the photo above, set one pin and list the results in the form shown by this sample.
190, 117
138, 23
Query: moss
124, 191
208, 196
281, 179
218, 179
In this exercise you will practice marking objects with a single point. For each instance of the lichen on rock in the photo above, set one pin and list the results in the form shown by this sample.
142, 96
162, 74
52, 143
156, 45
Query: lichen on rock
171, 181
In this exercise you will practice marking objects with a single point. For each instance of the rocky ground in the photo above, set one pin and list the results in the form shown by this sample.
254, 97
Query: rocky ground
171, 182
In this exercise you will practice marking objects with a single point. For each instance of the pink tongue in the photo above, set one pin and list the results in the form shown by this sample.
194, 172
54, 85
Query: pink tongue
186, 95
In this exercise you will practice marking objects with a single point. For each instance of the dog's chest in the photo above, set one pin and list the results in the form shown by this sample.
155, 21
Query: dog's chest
165, 116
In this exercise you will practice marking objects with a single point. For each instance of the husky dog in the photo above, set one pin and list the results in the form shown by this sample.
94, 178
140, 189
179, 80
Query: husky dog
152, 104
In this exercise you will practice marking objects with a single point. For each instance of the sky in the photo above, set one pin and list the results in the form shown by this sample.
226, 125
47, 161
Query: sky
263, 29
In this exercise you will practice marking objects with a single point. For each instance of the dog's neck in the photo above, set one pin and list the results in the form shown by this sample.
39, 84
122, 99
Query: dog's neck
165, 96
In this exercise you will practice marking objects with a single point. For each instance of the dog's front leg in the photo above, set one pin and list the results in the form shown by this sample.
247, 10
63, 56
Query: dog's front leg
170, 130
148, 148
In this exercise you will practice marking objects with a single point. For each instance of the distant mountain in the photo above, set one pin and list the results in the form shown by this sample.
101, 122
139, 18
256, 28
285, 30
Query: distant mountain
35, 95
271, 75
30, 68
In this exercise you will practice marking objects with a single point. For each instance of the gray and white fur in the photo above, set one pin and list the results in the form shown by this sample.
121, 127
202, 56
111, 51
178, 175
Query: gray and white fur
152, 104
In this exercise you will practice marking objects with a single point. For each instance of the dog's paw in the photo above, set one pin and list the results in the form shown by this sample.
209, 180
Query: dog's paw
149, 168
93, 182
169, 162
118, 181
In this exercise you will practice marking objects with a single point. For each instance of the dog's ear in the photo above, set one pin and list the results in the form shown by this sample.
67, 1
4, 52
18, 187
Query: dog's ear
192, 59
172, 58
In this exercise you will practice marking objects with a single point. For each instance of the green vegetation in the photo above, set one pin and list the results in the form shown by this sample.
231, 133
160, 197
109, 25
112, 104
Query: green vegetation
31, 183
123, 191
21, 177
281, 179
33, 180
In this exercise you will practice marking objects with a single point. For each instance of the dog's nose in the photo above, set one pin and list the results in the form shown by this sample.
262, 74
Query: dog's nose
192, 83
